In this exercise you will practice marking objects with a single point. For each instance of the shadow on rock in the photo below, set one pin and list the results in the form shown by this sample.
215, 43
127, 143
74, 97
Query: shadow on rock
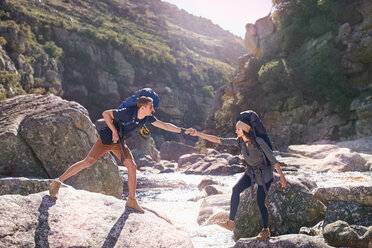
115, 231
43, 229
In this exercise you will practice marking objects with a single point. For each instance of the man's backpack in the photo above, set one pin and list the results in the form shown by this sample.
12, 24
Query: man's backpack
130, 101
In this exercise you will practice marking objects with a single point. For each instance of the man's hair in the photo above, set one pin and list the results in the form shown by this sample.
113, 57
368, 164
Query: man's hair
143, 100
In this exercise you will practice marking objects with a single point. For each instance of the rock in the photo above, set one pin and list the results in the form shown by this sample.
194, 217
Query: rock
287, 211
210, 152
325, 157
362, 145
251, 40
39, 137
171, 150
23, 185
284, 241
210, 190
205, 182
189, 158
81, 219
167, 171
213, 166
213, 206
265, 27
312, 231
358, 194
351, 212
341, 234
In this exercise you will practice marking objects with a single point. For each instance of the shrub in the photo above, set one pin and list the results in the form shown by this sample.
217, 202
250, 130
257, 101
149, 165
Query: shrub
2, 41
52, 49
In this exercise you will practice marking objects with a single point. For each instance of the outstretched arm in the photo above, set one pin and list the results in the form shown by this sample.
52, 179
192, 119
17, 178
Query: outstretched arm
167, 126
208, 137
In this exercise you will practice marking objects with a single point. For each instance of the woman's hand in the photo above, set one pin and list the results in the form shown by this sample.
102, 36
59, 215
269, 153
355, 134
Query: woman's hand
192, 131
283, 181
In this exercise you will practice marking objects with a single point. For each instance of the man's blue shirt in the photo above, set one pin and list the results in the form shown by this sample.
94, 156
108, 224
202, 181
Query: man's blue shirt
127, 118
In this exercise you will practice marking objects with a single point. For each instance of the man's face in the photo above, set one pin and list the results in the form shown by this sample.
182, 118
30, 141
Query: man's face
149, 109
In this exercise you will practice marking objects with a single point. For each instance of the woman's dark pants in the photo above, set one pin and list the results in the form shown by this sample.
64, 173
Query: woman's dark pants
244, 183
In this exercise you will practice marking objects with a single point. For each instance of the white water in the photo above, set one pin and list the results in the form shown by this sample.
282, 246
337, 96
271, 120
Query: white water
171, 193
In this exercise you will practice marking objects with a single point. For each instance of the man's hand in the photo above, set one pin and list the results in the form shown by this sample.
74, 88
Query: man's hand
283, 181
191, 131
115, 137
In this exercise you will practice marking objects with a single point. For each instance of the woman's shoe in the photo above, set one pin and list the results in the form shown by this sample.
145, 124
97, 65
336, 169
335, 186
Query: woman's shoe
228, 224
264, 234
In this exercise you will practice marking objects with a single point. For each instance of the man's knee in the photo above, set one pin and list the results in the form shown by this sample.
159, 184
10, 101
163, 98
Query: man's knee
88, 161
130, 164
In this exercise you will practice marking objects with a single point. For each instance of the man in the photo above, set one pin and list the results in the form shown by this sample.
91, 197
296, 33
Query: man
134, 118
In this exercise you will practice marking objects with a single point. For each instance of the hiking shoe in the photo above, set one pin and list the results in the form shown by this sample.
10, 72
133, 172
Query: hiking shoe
228, 224
264, 234
53, 189
132, 203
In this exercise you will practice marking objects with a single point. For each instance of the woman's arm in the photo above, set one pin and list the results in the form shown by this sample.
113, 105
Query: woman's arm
208, 137
283, 181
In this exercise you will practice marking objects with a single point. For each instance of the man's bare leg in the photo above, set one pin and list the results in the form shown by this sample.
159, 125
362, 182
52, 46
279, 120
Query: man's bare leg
132, 183
74, 169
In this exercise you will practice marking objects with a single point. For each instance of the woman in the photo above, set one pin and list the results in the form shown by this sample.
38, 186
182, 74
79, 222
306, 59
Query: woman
257, 171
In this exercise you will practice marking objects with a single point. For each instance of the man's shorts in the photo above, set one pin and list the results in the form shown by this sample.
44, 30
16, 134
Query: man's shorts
99, 149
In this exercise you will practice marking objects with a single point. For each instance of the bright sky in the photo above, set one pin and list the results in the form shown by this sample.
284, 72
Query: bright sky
230, 15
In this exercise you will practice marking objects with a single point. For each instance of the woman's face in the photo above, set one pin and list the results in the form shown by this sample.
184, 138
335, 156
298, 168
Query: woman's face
239, 132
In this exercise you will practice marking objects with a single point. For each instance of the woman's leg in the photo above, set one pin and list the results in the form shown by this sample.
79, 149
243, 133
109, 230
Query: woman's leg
261, 196
243, 183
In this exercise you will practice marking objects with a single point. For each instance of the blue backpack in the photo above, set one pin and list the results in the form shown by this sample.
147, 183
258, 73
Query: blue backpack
131, 101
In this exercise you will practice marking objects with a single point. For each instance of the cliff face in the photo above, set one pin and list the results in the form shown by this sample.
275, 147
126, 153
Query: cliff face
306, 85
100, 52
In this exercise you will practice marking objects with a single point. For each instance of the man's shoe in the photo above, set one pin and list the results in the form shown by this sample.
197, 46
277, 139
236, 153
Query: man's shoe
53, 189
228, 224
132, 203
264, 234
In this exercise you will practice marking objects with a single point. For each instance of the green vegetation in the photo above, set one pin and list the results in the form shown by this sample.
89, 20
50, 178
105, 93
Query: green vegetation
311, 68
53, 50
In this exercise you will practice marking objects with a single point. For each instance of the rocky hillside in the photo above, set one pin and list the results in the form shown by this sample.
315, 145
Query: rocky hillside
307, 73
99, 52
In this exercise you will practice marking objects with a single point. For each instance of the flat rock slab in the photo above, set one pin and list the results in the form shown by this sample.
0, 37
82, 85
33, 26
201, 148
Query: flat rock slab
81, 219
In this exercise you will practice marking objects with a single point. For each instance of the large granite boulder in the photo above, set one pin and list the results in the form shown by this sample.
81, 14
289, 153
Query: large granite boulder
284, 241
289, 208
359, 194
41, 136
341, 234
325, 157
81, 219
351, 212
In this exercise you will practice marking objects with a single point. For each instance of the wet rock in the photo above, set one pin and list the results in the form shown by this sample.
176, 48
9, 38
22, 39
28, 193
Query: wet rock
351, 212
341, 234
289, 209
41, 136
205, 182
167, 171
171, 150
82, 219
211, 206
189, 158
210, 190
284, 241
358, 194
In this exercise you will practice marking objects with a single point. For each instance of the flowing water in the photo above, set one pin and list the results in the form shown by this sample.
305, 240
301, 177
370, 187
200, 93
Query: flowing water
171, 195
